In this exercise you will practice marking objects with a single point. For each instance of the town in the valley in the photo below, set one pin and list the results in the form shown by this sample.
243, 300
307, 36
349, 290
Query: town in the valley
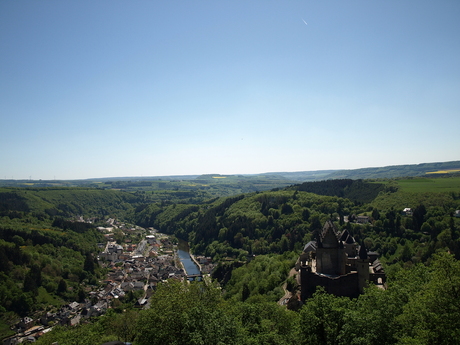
134, 270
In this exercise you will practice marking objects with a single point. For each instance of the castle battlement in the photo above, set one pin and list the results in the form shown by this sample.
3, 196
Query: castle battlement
336, 262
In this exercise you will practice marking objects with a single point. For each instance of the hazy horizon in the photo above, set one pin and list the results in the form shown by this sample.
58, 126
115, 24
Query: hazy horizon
109, 88
235, 174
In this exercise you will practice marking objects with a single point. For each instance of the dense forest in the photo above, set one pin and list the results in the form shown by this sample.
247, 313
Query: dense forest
420, 306
284, 220
48, 256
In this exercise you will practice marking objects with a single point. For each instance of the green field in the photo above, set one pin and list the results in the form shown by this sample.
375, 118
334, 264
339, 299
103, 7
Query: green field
420, 190
432, 185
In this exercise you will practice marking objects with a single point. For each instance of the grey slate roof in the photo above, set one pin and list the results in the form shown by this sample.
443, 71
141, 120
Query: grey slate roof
310, 247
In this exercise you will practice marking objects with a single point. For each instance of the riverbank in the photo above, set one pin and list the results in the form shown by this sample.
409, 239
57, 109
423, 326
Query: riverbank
196, 262
190, 264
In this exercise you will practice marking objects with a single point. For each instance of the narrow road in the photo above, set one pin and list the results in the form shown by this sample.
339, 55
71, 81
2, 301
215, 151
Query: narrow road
287, 295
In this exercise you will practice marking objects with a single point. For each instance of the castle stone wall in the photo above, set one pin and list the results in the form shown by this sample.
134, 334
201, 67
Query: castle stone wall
345, 285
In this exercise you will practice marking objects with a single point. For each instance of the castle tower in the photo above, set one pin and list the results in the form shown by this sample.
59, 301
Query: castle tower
362, 266
349, 243
330, 254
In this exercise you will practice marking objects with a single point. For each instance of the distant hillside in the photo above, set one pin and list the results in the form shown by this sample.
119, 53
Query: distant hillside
303, 176
394, 171
241, 183
64, 202
356, 190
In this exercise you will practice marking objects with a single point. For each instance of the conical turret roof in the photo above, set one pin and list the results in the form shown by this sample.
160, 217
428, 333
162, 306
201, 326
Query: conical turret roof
329, 235
362, 252
344, 235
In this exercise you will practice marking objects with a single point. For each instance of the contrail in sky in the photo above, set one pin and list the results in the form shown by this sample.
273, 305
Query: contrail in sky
304, 22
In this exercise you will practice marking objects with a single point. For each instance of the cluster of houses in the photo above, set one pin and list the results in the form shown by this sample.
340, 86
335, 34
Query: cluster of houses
138, 273
205, 264
29, 330
141, 273
139, 267
135, 268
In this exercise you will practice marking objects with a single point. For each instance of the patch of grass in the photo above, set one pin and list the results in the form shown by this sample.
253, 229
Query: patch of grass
47, 299
415, 180
420, 190
424, 185
5, 330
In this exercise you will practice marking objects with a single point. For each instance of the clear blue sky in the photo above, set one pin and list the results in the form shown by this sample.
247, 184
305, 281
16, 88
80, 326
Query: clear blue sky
149, 88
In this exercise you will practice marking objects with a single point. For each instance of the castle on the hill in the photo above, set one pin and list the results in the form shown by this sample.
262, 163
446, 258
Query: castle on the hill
336, 262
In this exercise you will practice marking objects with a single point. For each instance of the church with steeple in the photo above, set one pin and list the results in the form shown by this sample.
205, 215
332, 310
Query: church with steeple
336, 262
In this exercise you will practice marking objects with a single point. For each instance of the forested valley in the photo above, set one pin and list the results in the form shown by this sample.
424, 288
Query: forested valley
48, 255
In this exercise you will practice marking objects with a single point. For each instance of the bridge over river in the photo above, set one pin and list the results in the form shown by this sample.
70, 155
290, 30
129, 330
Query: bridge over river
194, 277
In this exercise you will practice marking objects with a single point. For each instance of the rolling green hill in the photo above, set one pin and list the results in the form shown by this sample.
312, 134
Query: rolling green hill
395, 171
355, 190
66, 201
443, 192
225, 185
37, 234
281, 220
